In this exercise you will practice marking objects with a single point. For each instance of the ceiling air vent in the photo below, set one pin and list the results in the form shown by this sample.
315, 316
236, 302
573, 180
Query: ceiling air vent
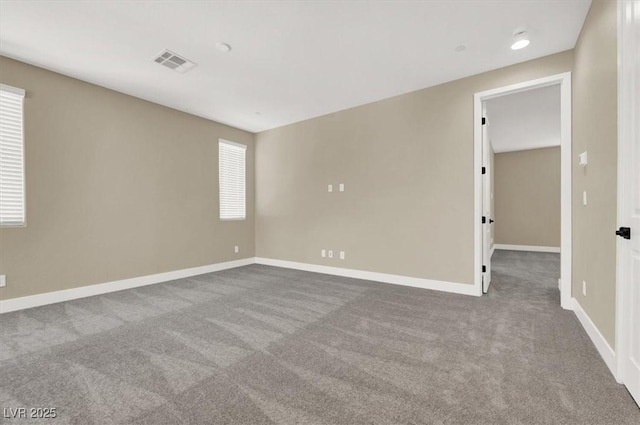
175, 62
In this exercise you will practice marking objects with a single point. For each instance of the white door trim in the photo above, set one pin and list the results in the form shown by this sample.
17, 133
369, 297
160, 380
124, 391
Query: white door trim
564, 80
628, 110
486, 202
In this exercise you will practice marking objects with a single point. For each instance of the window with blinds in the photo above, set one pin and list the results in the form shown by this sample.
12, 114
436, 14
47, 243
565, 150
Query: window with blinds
12, 211
231, 162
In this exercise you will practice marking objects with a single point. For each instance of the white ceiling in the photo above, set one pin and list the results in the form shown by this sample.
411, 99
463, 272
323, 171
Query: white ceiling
525, 120
291, 60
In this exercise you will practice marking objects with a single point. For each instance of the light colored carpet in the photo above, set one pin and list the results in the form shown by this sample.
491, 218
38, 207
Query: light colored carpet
263, 345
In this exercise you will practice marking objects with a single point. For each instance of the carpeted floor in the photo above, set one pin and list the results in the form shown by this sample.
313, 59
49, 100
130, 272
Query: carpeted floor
263, 345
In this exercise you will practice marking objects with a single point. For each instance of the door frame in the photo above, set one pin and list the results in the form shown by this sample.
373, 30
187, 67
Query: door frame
628, 109
486, 211
564, 80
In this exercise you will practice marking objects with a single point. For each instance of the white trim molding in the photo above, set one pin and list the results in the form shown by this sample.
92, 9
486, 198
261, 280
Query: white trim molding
22, 303
14, 304
564, 80
416, 282
601, 344
531, 248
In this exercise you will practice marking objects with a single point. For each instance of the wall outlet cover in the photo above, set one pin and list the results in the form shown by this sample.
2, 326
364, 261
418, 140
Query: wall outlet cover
3, 280
330, 188
330, 254
236, 249
582, 159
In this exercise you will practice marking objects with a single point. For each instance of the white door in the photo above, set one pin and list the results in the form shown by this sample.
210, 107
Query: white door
486, 202
629, 217
631, 366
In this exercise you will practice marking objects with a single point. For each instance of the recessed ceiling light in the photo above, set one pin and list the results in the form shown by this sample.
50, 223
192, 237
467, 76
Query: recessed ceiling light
223, 47
520, 41
460, 48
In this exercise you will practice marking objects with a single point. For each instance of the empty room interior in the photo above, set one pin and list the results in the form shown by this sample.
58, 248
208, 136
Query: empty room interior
320, 212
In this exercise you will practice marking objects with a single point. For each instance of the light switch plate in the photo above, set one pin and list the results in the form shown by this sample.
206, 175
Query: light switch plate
341, 187
582, 159
323, 253
342, 255
330, 188
3, 280
584, 198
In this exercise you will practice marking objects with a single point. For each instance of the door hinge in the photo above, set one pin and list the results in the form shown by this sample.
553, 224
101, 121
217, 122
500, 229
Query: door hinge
484, 269
484, 219
484, 120
484, 170
624, 232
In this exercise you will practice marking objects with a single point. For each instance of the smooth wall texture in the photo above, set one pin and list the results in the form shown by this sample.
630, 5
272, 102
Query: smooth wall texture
116, 187
407, 166
527, 197
595, 94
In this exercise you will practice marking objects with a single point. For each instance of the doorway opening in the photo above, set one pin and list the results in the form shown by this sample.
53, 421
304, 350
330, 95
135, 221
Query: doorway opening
521, 193
545, 238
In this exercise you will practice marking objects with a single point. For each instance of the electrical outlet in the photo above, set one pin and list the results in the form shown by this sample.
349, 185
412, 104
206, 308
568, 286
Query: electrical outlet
330, 254
3, 280
584, 198
341, 187
584, 288
323, 253
236, 249
330, 188
342, 255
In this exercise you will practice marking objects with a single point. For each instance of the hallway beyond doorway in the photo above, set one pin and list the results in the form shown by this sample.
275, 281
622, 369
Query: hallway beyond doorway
526, 275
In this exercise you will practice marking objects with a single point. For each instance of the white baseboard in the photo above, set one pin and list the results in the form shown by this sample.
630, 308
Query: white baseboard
532, 248
22, 303
493, 249
603, 347
437, 285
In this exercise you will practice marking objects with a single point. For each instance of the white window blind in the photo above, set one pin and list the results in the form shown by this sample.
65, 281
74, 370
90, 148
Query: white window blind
231, 164
11, 157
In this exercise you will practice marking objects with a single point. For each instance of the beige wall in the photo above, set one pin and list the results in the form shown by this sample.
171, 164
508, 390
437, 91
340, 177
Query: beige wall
595, 131
407, 163
116, 187
527, 197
